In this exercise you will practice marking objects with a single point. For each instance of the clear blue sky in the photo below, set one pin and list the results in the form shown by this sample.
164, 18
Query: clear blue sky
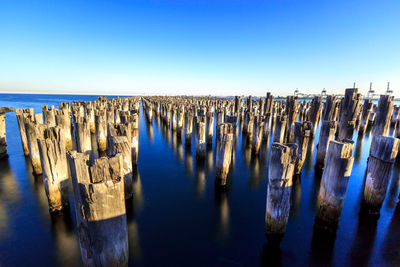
198, 47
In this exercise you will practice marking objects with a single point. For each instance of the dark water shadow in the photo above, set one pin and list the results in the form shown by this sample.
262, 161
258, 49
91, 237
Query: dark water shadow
271, 255
390, 249
322, 247
315, 188
363, 242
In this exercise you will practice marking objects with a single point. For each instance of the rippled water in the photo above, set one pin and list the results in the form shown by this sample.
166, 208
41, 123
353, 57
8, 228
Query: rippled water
177, 218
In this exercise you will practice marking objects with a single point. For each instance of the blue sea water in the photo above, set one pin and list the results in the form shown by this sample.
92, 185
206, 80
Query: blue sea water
177, 218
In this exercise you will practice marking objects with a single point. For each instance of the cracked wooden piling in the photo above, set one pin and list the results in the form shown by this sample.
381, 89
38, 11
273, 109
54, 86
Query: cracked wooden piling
55, 167
382, 156
280, 180
100, 209
334, 181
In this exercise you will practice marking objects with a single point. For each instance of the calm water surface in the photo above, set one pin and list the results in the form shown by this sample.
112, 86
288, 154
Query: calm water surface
177, 218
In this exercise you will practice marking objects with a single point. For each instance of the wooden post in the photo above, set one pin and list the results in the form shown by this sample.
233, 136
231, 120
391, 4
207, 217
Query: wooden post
249, 103
200, 138
168, 114
101, 130
279, 132
267, 126
3, 140
120, 144
174, 119
55, 167
90, 116
110, 115
135, 146
248, 123
326, 134
395, 115
349, 109
210, 127
38, 118
331, 108
371, 119
366, 111
220, 116
100, 209
258, 127
382, 156
49, 116
262, 104
33, 132
64, 121
21, 115
280, 175
291, 110
149, 112
238, 103
315, 113
82, 135
180, 120
189, 129
224, 153
269, 102
131, 123
382, 120
300, 135
335, 178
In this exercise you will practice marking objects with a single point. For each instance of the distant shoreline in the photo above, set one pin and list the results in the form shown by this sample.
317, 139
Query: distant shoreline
127, 95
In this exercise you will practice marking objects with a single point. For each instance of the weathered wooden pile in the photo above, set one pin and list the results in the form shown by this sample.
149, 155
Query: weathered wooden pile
96, 143
292, 125
296, 124
3, 140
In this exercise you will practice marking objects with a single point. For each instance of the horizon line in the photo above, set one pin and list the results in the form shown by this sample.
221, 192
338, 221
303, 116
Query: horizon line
376, 96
